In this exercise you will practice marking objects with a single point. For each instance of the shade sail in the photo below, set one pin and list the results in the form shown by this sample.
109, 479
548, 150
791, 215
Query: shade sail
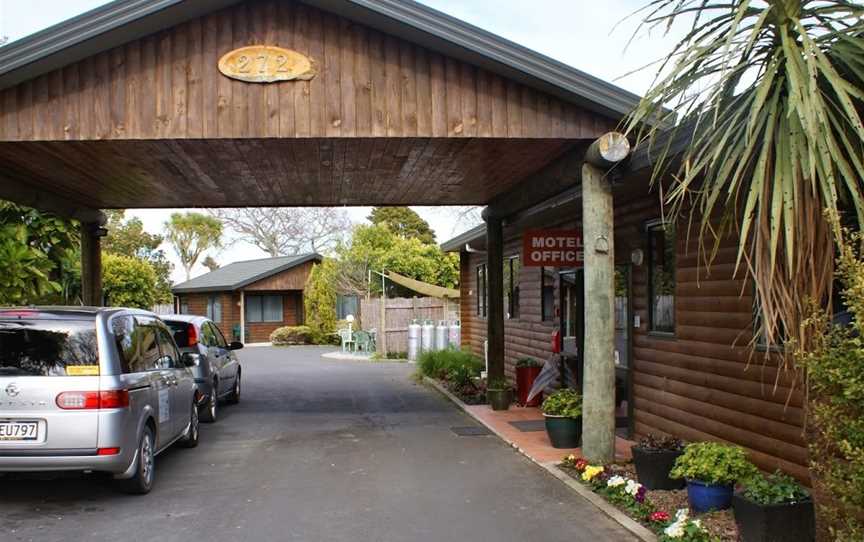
424, 288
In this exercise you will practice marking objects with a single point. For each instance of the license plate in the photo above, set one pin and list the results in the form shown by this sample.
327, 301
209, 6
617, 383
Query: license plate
19, 431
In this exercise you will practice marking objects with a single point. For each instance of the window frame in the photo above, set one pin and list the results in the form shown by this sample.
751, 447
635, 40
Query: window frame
650, 227
213, 301
512, 289
263, 320
543, 287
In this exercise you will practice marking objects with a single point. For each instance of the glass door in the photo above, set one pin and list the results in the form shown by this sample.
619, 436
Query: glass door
623, 365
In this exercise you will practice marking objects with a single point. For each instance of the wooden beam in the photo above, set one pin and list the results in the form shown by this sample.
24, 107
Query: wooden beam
91, 264
563, 173
495, 293
598, 230
41, 200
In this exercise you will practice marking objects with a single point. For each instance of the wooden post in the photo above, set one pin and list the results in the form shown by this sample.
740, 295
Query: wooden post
598, 387
495, 294
242, 317
382, 335
91, 264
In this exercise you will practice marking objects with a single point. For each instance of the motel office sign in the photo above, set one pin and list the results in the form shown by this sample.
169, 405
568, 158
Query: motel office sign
553, 248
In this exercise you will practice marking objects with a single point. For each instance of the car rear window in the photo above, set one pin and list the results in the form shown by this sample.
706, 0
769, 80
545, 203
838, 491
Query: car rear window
48, 348
180, 331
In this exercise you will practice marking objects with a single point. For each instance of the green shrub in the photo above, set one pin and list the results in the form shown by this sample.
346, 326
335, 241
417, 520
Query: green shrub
457, 366
288, 335
564, 402
777, 488
528, 362
835, 374
319, 300
498, 384
714, 463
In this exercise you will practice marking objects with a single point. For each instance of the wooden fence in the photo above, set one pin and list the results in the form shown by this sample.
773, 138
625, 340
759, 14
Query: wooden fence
400, 311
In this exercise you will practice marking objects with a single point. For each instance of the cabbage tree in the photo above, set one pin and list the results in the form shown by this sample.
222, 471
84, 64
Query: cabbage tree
768, 98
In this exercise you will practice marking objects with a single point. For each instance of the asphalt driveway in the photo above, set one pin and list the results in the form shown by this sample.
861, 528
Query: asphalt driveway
319, 450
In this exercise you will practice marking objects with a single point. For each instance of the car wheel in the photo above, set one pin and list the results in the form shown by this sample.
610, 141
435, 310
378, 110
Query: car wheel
208, 412
234, 397
190, 439
142, 482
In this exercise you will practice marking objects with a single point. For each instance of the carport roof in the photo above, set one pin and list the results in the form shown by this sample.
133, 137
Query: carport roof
121, 21
239, 274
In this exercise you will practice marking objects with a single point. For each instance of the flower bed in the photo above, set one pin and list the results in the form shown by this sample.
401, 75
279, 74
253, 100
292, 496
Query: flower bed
664, 512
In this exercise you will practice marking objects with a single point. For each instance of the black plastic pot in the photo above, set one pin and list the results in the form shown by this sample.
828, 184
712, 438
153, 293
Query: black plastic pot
653, 466
564, 432
793, 522
499, 399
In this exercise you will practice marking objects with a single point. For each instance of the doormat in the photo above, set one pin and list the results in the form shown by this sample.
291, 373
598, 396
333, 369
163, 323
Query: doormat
470, 431
529, 426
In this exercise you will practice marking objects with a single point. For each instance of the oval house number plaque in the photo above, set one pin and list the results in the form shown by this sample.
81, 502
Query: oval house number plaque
266, 64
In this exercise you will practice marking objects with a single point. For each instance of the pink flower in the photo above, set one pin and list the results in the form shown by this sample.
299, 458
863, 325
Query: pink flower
659, 516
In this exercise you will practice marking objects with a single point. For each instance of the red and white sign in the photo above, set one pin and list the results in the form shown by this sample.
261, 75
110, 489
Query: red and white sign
553, 248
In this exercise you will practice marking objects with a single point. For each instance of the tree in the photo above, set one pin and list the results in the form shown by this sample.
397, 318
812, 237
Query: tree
210, 263
280, 231
319, 299
130, 239
192, 234
770, 96
404, 222
128, 281
376, 247
41, 257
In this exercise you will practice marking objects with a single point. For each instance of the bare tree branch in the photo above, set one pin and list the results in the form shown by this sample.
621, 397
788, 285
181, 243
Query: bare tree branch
282, 231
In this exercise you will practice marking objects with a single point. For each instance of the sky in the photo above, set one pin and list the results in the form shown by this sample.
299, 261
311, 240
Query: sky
589, 35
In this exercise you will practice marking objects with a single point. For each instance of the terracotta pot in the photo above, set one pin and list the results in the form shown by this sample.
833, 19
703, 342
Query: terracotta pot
525, 377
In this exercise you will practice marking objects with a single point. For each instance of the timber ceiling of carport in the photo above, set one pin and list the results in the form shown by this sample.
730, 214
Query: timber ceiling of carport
152, 123
276, 172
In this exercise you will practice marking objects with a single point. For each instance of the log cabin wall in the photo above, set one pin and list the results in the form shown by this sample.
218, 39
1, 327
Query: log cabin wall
167, 86
702, 383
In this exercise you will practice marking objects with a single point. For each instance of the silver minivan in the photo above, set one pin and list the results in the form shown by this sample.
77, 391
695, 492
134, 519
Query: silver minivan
92, 389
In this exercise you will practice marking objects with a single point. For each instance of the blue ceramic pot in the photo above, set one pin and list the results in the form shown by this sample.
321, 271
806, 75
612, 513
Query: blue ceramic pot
706, 497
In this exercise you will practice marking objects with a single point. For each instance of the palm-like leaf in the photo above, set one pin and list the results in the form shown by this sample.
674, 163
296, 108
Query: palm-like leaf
771, 95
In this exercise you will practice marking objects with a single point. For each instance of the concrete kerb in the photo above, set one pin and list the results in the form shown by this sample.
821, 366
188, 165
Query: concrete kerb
637, 529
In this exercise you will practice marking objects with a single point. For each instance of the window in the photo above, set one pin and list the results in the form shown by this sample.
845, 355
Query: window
208, 338
511, 286
220, 339
184, 307
170, 357
481, 290
264, 308
136, 343
34, 347
345, 305
547, 293
214, 308
661, 277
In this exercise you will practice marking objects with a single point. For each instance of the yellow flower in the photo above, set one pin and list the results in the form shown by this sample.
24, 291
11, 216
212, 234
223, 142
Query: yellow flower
571, 457
591, 471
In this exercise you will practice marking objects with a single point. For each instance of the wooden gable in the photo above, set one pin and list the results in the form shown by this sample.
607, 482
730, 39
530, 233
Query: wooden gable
369, 84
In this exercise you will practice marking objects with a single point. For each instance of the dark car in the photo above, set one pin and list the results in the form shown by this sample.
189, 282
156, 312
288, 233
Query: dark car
217, 371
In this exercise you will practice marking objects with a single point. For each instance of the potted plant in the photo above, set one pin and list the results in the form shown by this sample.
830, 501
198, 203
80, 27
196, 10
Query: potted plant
563, 413
711, 470
527, 370
774, 508
499, 393
654, 458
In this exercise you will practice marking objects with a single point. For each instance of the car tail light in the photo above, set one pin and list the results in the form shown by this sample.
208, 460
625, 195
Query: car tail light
93, 400
192, 333
108, 451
